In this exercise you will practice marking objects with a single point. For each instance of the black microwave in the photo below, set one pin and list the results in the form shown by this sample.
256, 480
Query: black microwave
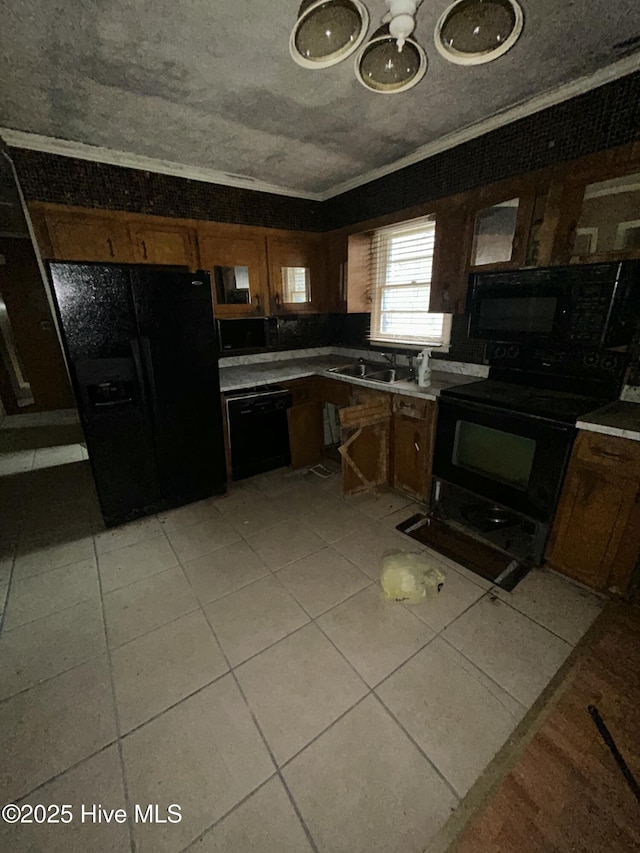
584, 305
247, 335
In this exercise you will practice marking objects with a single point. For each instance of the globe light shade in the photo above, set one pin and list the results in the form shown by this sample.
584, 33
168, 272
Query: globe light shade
471, 32
382, 66
328, 31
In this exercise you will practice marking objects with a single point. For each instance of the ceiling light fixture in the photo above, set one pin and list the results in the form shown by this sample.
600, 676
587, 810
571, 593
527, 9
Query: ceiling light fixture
328, 31
471, 32
385, 67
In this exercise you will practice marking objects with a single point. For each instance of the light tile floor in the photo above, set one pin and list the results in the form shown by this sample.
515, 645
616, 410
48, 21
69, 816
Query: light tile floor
236, 657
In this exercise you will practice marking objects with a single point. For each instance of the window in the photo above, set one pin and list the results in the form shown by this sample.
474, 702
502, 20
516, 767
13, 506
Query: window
401, 262
295, 284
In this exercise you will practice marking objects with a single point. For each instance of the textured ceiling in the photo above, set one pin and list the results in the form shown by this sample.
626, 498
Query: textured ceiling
211, 84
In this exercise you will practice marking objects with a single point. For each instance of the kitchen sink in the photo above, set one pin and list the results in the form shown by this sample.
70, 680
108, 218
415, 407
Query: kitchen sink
359, 370
364, 370
390, 374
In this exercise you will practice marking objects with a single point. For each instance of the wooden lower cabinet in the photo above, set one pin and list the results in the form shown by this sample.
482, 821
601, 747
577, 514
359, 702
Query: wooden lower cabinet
305, 434
333, 391
596, 533
306, 437
413, 430
365, 441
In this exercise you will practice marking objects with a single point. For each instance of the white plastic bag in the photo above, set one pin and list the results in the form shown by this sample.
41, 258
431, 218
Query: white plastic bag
410, 577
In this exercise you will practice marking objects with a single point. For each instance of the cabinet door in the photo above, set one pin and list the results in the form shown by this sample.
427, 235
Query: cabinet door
590, 525
500, 231
172, 245
336, 248
450, 262
296, 274
306, 437
365, 442
238, 268
413, 433
81, 237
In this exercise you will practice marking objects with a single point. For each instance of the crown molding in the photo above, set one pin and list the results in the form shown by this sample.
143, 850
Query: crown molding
576, 87
98, 154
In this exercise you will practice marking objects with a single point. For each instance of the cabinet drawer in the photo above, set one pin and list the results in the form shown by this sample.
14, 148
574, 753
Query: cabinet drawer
412, 407
607, 451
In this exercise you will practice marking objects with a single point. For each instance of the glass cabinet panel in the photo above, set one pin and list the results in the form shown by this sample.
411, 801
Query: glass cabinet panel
495, 229
296, 286
232, 285
610, 218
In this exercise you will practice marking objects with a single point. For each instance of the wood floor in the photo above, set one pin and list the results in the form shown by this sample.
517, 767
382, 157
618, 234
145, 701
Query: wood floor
566, 793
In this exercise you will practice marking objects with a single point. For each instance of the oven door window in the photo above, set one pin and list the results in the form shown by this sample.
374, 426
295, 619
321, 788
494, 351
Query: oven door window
495, 454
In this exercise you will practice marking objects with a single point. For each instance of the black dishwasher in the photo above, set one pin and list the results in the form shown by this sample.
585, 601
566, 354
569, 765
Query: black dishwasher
258, 429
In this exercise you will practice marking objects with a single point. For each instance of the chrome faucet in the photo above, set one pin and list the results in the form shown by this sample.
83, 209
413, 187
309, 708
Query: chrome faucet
391, 358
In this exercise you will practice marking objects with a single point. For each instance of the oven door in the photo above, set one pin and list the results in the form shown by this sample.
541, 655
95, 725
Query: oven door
517, 460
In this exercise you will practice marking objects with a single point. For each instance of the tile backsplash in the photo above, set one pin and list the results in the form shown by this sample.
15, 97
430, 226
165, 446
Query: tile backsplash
461, 347
304, 331
310, 331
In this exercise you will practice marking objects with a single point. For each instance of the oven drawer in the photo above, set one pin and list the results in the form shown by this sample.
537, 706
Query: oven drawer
607, 451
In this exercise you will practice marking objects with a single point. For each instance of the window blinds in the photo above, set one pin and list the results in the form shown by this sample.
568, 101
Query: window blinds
401, 263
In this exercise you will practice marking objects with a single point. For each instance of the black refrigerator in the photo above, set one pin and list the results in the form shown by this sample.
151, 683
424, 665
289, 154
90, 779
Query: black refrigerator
142, 352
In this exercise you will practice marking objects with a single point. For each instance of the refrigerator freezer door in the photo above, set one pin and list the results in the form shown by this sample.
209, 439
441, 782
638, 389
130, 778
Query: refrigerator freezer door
100, 338
179, 357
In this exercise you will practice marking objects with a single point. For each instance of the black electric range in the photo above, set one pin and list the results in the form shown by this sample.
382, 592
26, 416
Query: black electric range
503, 444
558, 385
563, 406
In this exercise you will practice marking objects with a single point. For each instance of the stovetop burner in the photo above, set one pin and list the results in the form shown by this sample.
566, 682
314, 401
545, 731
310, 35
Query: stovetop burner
564, 406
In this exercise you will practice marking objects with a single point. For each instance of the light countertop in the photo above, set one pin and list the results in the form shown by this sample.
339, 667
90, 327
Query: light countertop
621, 419
243, 376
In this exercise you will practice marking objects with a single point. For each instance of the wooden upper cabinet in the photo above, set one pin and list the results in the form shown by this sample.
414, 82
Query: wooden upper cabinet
498, 227
593, 211
238, 268
169, 244
336, 251
296, 273
450, 261
87, 237
358, 284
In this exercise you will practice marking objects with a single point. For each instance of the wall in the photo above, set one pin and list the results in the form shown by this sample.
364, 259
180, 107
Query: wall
35, 336
603, 118
65, 180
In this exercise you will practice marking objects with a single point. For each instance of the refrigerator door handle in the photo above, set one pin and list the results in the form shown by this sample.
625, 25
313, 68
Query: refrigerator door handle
137, 360
147, 361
